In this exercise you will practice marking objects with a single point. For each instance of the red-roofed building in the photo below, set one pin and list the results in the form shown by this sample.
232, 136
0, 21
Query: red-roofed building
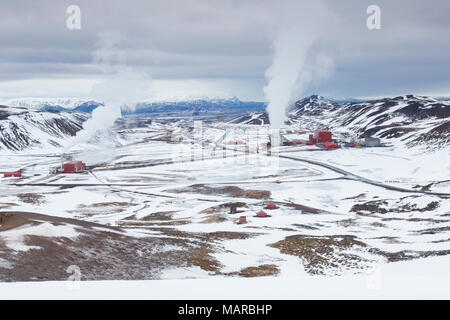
74, 167
262, 214
271, 206
16, 174
330, 145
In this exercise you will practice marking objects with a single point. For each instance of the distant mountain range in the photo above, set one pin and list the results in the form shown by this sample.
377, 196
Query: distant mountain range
189, 106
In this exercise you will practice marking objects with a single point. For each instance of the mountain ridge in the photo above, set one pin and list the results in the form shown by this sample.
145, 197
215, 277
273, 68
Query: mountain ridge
411, 120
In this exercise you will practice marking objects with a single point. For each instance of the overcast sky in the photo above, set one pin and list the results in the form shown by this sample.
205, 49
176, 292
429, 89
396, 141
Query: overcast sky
222, 46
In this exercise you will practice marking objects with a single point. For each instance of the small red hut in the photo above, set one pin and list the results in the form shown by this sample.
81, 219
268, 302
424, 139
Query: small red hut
262, 214
271, 206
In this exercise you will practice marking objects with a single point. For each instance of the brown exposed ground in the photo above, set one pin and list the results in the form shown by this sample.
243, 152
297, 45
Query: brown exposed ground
214, 219
101, 207
207, 237
225, 207
202, 257
330, 254
263, 270
228, 191
324, 254
32, 198
140, 223
381, 206
300, 207
101, 252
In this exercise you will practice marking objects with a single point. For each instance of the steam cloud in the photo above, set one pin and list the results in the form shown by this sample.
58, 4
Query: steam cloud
297, 60
122, 87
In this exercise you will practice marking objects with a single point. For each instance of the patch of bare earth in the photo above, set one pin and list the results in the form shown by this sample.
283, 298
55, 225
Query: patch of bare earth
206, 244
324, 255
31, 198
101, 207
263, 270
214, 219
300, 207
228, 191
162, 218
332, 255
101, 252
382, 206
224, 208
141, 223
202, 257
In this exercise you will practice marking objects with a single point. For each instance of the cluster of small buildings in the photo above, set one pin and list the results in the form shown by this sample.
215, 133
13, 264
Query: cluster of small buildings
69, 167
259, 214
324, 139
368, 142
317, 137
74, 167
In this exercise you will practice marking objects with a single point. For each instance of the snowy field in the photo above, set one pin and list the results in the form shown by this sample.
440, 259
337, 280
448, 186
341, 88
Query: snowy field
337, 224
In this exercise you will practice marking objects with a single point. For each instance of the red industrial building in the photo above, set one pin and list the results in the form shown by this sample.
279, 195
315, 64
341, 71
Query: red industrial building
16, 174
321, 136
317, 137
74, 167
330, 145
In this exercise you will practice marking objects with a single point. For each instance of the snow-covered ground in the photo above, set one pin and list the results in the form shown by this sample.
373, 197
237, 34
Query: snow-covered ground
329, 231
419, 279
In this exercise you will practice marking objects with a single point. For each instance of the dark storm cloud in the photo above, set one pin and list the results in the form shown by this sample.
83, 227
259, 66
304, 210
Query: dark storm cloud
230, 39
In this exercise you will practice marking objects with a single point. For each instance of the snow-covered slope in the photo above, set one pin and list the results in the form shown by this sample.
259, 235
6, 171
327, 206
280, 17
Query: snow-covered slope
258, 118
22, 128
410, 119
312, 105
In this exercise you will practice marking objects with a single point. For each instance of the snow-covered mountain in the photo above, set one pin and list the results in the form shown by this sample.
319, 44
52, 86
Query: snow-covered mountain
411, 120
314, 104
167, 105
61, 104
22, 128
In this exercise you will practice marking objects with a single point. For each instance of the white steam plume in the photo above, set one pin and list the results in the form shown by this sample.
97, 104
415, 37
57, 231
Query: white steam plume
297, 62
122, 87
